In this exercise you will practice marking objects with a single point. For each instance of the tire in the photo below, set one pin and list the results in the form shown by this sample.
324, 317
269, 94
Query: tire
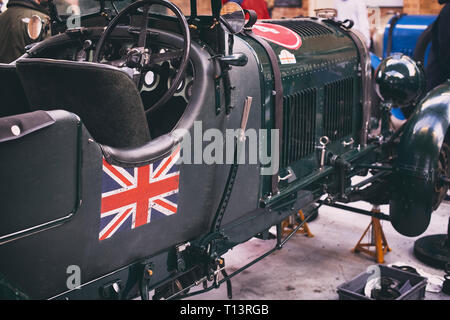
443, 170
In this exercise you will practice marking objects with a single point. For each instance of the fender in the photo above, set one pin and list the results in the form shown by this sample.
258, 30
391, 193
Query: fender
415, 170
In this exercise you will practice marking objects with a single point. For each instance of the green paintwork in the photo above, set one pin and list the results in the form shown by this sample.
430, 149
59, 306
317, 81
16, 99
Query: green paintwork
322, 59
323, 87
426, 131
418, 156
308, 181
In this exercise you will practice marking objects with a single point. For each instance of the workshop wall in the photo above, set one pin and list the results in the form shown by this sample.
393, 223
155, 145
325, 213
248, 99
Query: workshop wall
421, 7
290, 12
203, 6
308, 6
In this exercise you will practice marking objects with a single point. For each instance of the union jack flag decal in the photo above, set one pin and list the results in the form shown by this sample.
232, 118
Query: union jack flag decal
133, 197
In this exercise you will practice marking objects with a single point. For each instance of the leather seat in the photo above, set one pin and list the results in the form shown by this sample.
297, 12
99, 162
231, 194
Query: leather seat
12, 97
103, 96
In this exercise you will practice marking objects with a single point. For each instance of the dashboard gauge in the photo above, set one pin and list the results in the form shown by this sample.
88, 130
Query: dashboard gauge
149, 78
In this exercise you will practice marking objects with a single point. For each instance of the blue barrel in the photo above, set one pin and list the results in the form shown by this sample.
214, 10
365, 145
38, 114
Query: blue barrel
406, 32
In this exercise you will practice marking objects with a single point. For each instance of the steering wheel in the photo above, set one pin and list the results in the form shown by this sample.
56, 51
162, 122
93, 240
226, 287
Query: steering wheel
141, 58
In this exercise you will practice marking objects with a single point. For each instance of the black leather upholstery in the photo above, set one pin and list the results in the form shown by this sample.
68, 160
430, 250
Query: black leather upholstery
12, 97
15, 127
135, 157
47, 189
104, 97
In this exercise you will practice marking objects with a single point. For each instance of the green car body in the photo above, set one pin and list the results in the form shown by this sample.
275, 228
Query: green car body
317, 92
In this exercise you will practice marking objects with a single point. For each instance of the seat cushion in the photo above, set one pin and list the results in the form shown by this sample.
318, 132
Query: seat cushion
12, 97
104, 97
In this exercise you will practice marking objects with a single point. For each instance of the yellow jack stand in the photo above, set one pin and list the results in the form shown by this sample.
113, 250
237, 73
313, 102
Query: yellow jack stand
289, 224
378, 240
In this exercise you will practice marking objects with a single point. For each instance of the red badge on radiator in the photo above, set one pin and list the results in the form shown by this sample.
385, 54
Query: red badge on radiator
278, 34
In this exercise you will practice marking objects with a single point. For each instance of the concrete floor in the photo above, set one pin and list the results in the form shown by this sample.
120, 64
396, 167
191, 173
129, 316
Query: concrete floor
312, 268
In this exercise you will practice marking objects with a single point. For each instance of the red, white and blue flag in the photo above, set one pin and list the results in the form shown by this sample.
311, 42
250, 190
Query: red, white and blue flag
133, 197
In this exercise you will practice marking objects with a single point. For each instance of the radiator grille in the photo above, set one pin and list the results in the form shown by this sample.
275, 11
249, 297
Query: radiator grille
299, 126
338, 108
305, 28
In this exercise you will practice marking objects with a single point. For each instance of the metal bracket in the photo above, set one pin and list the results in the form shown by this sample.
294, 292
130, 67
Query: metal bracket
111, 290
181, 264
245, 115
348, 143
286, 177
144, 281
323, 141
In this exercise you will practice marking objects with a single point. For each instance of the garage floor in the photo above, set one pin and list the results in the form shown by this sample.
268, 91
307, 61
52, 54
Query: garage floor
312, 268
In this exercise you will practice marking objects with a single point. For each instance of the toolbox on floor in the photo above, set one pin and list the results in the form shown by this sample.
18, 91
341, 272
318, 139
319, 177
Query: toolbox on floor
410, 286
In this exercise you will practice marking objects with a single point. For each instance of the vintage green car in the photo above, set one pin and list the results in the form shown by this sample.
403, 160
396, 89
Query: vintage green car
152, 141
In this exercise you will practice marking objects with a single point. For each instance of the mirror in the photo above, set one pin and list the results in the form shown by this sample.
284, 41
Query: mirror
232, 17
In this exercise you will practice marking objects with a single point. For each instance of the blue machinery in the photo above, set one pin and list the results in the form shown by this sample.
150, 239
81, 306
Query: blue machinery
402, 34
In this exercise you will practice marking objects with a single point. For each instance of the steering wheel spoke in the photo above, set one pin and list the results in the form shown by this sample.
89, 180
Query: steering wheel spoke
143, 33
165, 56
144, 59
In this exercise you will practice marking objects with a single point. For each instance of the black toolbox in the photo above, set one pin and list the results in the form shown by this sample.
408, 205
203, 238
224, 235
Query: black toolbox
412, 285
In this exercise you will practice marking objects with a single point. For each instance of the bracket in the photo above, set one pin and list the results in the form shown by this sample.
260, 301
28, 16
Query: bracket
144, 279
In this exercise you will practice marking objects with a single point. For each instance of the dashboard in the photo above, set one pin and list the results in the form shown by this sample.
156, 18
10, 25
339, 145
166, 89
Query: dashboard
79, 45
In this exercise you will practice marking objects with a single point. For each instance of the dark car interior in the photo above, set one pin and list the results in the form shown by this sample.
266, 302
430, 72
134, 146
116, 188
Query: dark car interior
61, 73
67, 66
